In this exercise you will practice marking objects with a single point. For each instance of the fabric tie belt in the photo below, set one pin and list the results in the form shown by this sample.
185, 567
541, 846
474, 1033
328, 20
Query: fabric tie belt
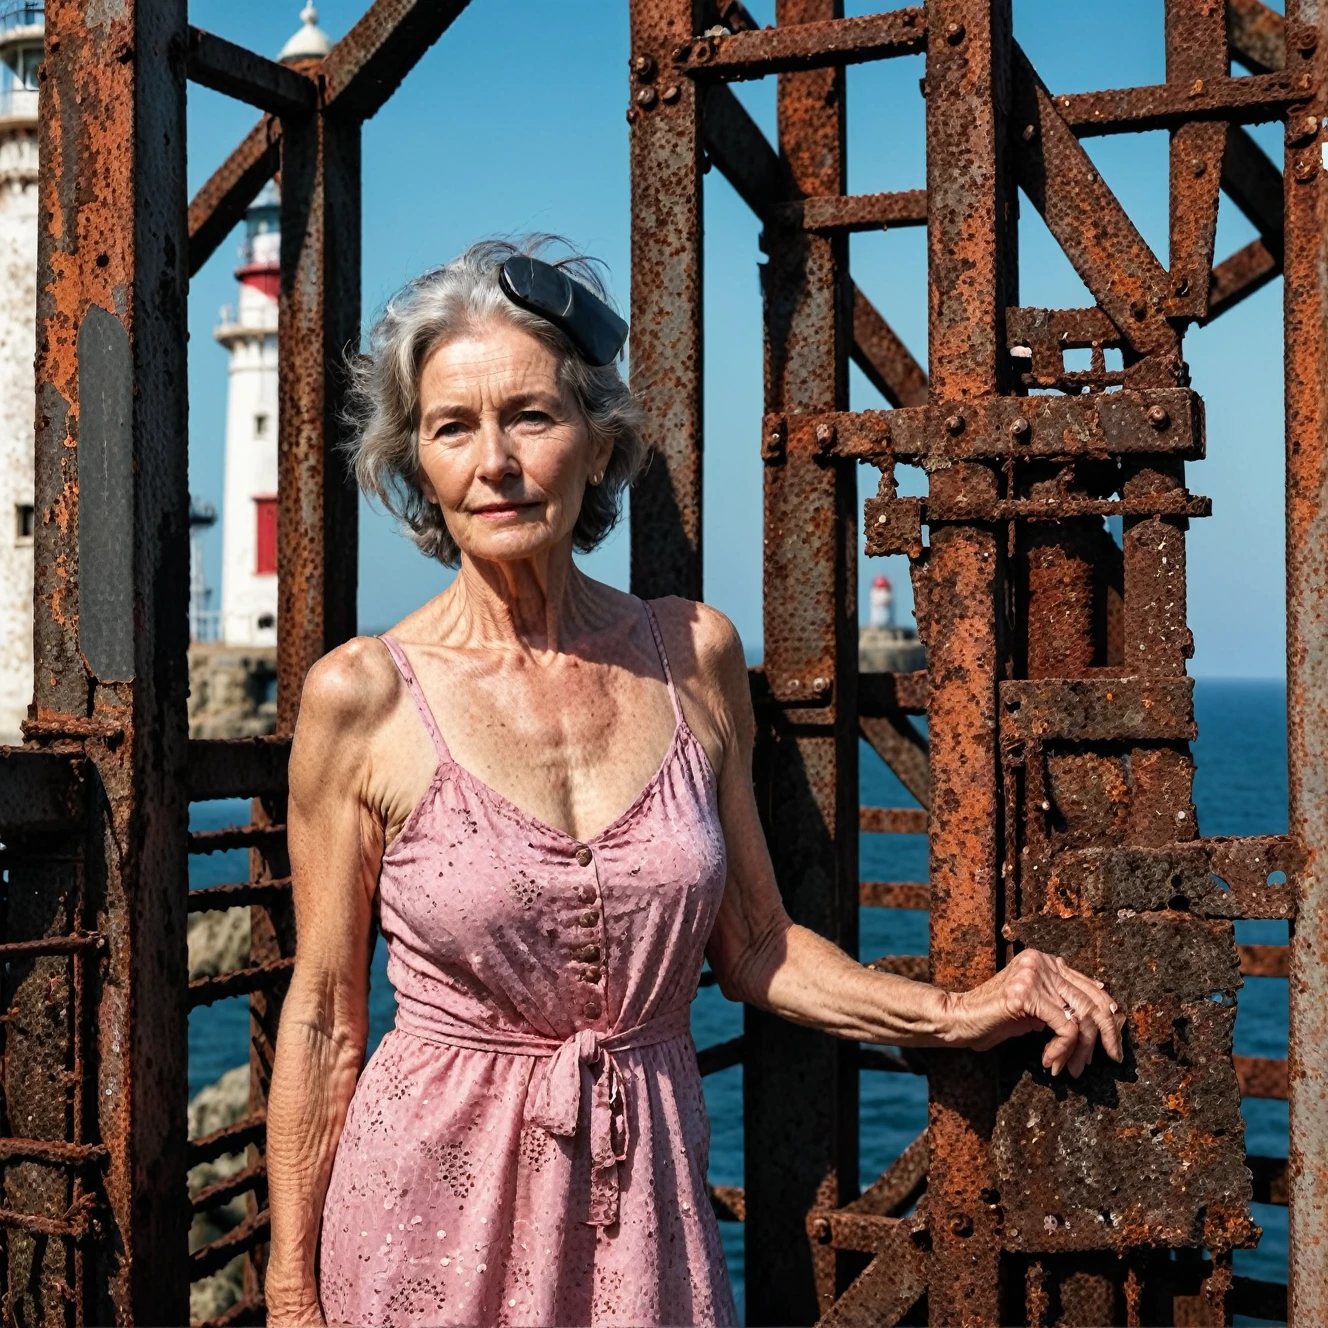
569, 1078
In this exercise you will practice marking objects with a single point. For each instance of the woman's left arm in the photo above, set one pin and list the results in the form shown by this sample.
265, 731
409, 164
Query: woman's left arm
761, 957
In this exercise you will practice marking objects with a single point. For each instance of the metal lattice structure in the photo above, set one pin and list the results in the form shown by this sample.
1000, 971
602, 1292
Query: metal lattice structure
1057, 778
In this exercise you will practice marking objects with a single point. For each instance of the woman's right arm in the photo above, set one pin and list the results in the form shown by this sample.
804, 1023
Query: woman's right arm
336, 847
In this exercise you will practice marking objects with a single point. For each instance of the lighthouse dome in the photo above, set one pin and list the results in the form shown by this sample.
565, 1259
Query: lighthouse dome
309, 43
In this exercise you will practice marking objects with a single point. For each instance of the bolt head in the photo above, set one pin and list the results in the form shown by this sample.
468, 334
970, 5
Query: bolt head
1158, 417
825, 435
954, 33
1197, 168
961, 1224
821, 1231
671, 93
820, 685
955, 425
643, 66
1019, 427
1028, 133
647, 97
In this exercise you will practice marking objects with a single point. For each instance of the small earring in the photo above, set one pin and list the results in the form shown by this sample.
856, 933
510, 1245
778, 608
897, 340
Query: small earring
597, 477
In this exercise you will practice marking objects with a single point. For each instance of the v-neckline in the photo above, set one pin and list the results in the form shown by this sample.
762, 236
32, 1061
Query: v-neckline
487, 790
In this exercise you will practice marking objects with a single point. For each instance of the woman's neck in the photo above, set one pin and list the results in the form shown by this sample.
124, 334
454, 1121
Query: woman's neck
534, 605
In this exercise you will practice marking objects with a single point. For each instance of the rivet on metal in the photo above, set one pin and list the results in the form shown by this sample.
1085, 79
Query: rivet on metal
1198, 167
1028, 133
643, 66
1304, 169
1139, 310
825, 434
955, 424
671, 93
1159, 417
1019, 427
819, 685
647, 97
961, 1224
821, 1230
954, 33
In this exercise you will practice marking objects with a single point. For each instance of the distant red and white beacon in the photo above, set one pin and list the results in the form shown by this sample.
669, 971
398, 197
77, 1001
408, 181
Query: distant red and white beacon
880, 603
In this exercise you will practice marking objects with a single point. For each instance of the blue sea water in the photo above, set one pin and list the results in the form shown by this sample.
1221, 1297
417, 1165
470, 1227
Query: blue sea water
1240, 789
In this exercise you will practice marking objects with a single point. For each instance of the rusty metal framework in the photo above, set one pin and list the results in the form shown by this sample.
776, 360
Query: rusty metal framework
1056, 778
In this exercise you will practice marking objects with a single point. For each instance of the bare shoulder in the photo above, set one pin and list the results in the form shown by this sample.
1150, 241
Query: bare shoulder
705, 640
710, 669
348, 696
355, 684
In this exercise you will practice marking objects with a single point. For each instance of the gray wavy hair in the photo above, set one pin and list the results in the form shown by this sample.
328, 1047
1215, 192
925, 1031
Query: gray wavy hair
384, 401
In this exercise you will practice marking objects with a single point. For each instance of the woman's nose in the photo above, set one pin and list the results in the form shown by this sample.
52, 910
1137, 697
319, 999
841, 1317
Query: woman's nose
496, 459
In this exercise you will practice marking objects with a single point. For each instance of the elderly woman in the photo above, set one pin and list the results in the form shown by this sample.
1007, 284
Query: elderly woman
544, 787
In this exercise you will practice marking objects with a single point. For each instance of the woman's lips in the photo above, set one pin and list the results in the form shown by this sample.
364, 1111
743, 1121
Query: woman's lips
497, 512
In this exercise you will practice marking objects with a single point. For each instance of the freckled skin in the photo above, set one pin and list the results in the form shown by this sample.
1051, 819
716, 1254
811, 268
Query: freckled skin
547, 687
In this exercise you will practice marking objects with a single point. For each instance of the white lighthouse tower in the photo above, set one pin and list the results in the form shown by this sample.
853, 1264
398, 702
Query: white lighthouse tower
249, 501
249, 332
21, 26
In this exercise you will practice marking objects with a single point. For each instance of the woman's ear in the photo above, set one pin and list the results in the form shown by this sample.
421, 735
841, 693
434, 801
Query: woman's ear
601, 453
426, 487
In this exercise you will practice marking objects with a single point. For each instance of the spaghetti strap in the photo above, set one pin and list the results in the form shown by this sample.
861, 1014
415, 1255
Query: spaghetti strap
417, 695
664, 661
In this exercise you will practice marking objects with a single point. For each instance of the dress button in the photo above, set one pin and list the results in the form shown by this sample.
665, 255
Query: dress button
591, 1010
583, 856
587, 893
588, 954
588, 918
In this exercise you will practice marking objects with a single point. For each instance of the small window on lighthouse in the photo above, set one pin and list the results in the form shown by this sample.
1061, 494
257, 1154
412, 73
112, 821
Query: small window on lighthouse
23, 523
260, 426
265, 562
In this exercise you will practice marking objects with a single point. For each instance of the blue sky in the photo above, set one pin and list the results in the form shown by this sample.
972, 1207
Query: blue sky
514, 122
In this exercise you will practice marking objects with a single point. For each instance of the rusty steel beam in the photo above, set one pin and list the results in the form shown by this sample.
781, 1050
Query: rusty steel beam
799, 1086
859, 212
1257, 35
238, 72
1253, 99
1249, 269
1002, 428
360, 73
40, 791
887, 363
219, 206
1196, 51
735, 144
364, 69
105, 1059
814, 44
319, 310
972, 280
1306, 341
666, 347
1098, 238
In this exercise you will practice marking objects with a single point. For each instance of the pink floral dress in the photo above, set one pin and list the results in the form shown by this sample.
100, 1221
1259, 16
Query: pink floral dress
529, 1144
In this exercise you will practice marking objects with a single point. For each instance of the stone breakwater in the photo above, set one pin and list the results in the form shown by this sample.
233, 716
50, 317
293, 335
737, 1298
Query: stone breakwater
218, 942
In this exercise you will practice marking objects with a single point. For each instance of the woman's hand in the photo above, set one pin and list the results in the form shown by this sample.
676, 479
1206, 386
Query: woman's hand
1034, 991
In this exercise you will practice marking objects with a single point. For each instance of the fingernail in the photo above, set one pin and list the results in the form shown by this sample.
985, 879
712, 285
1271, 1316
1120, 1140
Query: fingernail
1114, 1007
1101, 986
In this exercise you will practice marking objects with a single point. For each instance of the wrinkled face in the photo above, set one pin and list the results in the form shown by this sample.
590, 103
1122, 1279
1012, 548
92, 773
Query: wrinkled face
505, 451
